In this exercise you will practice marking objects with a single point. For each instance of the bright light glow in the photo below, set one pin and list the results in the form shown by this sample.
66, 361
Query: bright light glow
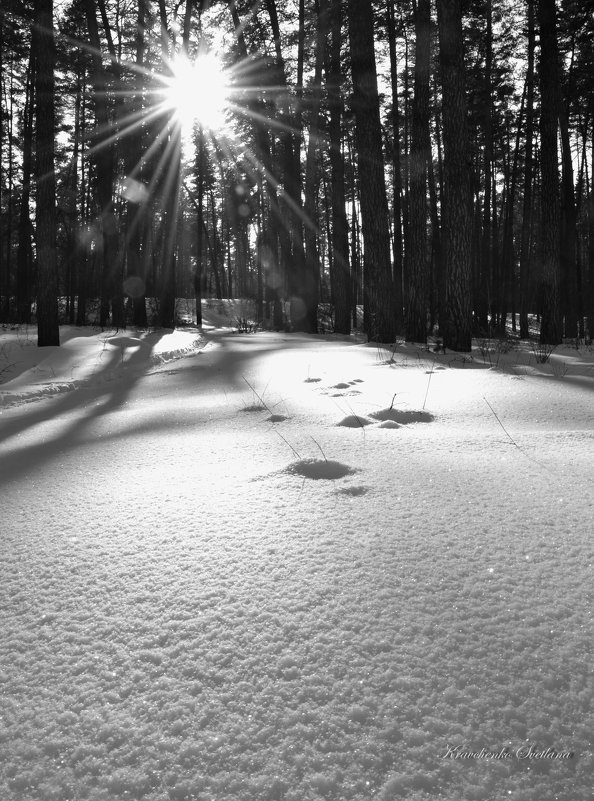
198, 92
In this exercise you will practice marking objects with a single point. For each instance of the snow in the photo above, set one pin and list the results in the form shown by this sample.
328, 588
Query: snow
216, 584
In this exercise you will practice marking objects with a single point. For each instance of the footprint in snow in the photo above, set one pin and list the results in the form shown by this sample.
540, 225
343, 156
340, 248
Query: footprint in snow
346, 385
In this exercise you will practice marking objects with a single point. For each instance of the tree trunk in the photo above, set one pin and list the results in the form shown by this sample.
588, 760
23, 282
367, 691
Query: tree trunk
341, 279
525, 243
137, 201
416, 250
48, 332
312, 255
457, 197
550, 330
396, 169
590, 280
380, 317
104, 157
24, 253
487, 284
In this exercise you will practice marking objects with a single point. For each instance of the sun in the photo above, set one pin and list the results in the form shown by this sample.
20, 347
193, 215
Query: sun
197, 92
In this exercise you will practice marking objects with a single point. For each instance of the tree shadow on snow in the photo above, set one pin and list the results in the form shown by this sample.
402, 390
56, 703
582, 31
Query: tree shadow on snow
226, 364
107, 392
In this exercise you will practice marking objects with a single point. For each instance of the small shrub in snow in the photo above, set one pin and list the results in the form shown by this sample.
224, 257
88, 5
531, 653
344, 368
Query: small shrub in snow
542, 352
560, 369
403, 416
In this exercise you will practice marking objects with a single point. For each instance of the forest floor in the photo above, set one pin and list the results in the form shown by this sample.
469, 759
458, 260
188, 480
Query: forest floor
275, 566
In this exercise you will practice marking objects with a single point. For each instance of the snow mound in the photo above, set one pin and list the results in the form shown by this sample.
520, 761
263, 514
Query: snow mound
320, 469
403, 416
389, 424
354, 421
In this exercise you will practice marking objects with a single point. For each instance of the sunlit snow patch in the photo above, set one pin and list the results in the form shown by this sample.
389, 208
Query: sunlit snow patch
319, 468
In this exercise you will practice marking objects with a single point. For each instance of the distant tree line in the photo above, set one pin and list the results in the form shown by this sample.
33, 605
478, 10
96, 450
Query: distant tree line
428, 160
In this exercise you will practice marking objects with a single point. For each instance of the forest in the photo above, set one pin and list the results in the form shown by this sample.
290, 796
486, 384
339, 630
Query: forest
426, 163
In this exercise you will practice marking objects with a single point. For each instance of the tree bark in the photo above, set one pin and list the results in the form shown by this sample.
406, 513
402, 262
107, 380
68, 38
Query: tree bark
525, 242
311, 288
48, 332
550, 330
341, 278
417, 266
396, 170
379, 310
457, 197
24, 253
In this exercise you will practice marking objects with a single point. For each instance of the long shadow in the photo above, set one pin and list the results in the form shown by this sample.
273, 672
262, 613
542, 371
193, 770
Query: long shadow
229, 361
112, 389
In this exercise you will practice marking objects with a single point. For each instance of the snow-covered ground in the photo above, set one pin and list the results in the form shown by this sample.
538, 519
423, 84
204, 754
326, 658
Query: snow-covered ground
272, 566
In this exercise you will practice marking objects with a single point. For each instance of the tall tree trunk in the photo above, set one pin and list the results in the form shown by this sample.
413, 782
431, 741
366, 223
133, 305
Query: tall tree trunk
341, 279
396, 169
379, 314
104, 157
312, 255
137, 201
199, 270
3, 75
170, 173
508, 282
487, 289
590, 281
24, 253
416, 251
457, 197
525, 242
48, 332
550, 330
292, 247
569, 237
